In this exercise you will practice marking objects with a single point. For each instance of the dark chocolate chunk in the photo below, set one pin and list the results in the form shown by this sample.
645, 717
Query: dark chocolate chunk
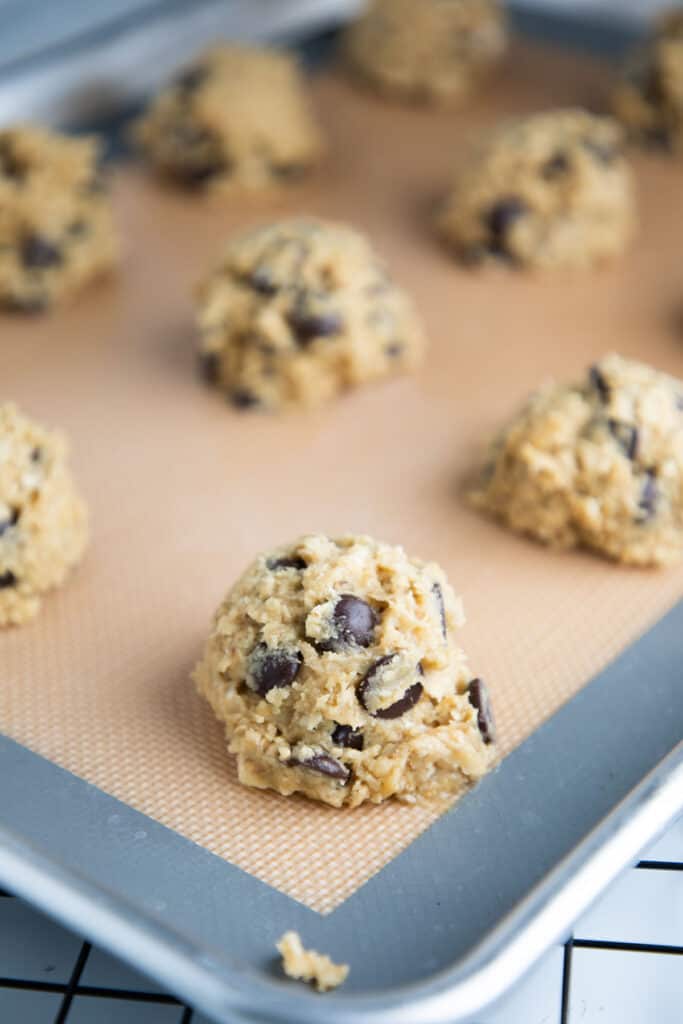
648, 496
261, 281
190, 80
626, 435
556, 166
394, 351
39, 253
326, 765
599, 382
354, 621
199, 172
438, 597
209, 367
478, 696
399, 707
78, 229
287, 562
347, 736
244, 399
499, 219
309, 326
5, 524
659, 137
288, 172
7, 579
605, 152
36, 454
10, 166
274, 667
199, 158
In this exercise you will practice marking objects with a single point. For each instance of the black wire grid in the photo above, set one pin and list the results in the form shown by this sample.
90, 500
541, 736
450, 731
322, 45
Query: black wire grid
72, 988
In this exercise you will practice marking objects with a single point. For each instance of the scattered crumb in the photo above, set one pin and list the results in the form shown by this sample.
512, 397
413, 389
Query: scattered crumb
307, 965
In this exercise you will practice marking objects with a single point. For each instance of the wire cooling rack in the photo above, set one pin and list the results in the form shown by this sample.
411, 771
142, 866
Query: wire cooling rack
630, 912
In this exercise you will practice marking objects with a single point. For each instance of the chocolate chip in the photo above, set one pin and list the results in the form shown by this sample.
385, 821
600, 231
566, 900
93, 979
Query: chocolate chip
394, 351
197, 174
438, 596
499, 219
347, 736
399, 707
556, 167
605, 152
244, 399
261, 281
652, 87
190, 80
5, 524
273, 667
288, 172
326, 765
78, 229
478, 696
354, 621
309, 326
36, 454
598, 381
10, 166
626, 435
648, 496
200, 159
659, 137
7, 579
287, 562
38, 253
209, 367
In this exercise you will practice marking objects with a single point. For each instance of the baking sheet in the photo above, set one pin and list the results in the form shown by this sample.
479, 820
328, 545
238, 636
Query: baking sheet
184, 490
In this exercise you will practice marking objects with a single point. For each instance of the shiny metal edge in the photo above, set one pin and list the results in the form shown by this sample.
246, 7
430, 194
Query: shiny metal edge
212, 983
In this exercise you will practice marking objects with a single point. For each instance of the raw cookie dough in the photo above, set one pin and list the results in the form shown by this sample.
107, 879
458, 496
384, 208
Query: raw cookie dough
56, 230
649, 98
547, 190
299, 311
434, 50
335, 669
237, 116
43, 522
597, 463
307, 965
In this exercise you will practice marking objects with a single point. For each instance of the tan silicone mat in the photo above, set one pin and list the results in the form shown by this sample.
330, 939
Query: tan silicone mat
184, 490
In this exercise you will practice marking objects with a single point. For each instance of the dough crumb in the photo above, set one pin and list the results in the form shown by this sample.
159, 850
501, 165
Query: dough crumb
308, 965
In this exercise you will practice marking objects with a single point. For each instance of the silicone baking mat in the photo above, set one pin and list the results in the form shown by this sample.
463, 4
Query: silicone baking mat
184, 490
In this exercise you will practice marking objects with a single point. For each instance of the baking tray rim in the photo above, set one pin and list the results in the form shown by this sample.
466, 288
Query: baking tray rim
209, 982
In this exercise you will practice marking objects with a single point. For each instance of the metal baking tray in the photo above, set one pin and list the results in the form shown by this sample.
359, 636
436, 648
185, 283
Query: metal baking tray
444, 928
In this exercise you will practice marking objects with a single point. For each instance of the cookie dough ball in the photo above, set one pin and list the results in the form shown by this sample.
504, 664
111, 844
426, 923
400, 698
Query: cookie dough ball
43, 522
434, 50
649, 97
597, 463
56, 230
299, 311
335, 668
237, 117
548, 190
